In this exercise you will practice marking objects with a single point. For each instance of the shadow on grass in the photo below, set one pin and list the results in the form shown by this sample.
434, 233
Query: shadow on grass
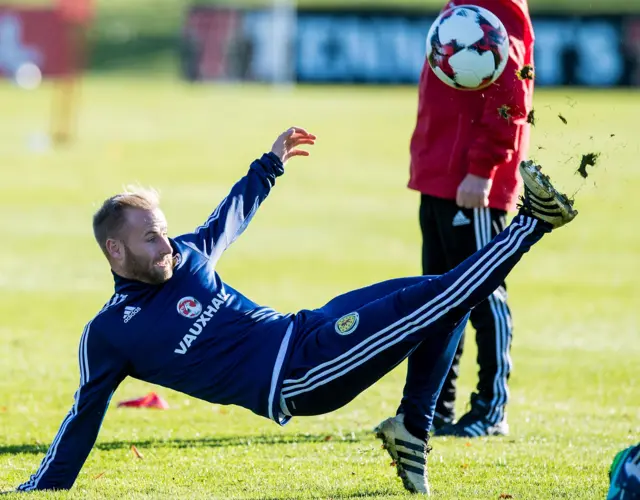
211, 442
232, 441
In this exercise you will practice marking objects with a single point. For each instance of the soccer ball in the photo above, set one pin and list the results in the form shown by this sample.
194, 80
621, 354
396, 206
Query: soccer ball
467, 47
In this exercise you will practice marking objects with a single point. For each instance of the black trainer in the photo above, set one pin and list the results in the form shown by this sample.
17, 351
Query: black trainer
440, 420
475, 423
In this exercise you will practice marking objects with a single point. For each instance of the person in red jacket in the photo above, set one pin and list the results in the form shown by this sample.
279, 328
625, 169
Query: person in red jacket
465, 152
77, 17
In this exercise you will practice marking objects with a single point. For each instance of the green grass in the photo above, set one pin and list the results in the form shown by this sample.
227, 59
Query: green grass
338, 220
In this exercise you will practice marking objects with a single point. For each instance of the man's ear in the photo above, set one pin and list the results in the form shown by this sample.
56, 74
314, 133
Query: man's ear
115, 249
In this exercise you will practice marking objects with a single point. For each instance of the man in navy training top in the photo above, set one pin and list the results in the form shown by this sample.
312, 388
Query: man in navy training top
173, 322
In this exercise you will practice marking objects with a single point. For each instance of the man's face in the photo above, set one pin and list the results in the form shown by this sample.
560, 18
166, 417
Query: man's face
147, 253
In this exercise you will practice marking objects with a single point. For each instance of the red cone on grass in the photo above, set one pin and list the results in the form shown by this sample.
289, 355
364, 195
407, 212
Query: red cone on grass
151, 400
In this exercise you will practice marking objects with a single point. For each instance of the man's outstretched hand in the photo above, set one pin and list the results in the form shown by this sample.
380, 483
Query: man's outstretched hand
286, 146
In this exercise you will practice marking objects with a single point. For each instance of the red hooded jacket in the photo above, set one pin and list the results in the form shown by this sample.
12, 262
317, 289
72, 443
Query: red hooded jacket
461, 132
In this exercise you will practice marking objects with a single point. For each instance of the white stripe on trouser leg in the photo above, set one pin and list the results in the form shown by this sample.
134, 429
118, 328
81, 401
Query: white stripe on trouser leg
483, 237
361, 349
474, 429
489, 233
506, 356
507, 351
514, 231
476, 227
432, 315
486, 226
502, 334
500, 337
357, 352
484, 220
503, 357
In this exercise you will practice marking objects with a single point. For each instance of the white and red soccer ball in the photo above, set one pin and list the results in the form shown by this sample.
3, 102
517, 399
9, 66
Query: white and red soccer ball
467, 47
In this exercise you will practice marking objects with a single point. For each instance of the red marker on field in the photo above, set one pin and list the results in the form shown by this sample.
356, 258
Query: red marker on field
151, 400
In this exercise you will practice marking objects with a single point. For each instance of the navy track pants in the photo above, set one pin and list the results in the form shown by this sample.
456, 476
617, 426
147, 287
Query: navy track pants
358, 337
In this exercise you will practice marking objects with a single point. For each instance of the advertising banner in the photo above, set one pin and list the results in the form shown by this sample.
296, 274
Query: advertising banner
387, 47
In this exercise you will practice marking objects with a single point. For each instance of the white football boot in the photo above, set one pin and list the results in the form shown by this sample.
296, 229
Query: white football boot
541, 200
408, 452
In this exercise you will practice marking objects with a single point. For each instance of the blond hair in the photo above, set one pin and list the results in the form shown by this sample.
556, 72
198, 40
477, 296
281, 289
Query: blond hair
110, 218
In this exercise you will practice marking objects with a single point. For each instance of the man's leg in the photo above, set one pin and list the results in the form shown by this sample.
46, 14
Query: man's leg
436, 215
542, 201
491, 319
344, 356
331, 364
66, 100
424, 385
405, 440
355, 299
341, 357
463, 232
493, 323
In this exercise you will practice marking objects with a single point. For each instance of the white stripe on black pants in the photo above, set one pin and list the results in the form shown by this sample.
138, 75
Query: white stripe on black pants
326, 370
450, 234
493, 325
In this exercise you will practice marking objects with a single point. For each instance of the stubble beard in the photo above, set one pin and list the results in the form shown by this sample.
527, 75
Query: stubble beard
147, 272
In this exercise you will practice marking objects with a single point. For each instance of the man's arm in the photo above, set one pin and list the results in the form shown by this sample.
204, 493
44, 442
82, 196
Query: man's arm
231, 217
101, 371
497, 131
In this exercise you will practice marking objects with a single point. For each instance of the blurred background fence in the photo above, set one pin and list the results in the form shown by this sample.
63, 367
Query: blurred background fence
578, 42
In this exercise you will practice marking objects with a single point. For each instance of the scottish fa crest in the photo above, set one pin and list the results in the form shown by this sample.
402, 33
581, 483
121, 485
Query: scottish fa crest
347, 324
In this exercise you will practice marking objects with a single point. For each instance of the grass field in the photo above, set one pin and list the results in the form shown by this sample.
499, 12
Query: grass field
338, 220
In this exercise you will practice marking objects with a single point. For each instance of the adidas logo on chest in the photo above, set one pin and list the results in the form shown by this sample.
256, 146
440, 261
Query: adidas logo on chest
129, 313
